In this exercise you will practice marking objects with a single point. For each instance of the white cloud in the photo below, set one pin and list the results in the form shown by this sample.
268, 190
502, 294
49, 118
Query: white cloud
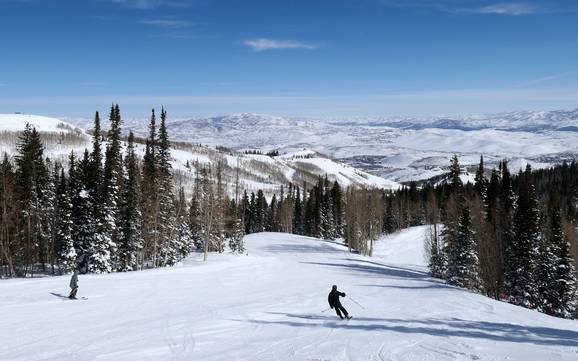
515, 9
166, 23
512, 8
151, 4
263, 44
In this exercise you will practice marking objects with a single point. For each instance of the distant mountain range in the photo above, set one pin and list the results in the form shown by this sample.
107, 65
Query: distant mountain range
396, 148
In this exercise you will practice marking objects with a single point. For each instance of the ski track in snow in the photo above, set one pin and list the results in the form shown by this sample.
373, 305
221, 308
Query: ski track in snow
268, 305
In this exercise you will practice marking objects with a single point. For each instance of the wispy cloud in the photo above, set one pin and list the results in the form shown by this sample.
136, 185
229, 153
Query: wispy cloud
264, 44
151, 4
549, 78
511, 8
515, 9
166, 23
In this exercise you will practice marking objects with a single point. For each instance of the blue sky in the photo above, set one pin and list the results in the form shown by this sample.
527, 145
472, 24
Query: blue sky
323, 58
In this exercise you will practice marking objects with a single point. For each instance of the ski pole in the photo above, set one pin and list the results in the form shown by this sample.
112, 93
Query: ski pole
325, 310
357, 303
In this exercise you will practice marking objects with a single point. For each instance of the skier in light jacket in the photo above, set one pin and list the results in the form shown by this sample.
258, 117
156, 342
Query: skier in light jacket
73, 285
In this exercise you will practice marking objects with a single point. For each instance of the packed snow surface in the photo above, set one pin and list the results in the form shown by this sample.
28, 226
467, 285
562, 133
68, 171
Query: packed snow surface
272, 305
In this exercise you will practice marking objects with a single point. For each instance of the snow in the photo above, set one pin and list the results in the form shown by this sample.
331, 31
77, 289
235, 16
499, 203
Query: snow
268, 305
17, 122
399, 149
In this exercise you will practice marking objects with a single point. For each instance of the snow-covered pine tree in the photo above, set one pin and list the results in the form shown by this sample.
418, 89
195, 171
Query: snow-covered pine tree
565, 274
437, 262
272, 222
545, 277
49, 217
298, 213
194, 216
96, 246
130, 243
166, 225
66, 254
31, 178
463, 262
112, 184
149, 199
337, 210
522, 250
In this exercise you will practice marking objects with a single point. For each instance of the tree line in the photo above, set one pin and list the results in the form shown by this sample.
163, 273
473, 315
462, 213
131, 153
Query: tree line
508, 236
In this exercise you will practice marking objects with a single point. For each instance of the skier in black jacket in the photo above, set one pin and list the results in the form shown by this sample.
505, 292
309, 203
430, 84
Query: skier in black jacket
334, 302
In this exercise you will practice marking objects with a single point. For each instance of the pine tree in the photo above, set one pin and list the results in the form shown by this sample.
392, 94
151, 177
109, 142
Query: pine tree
454, 175
31, 177
545, 277
463, 263
166, 208
130, 241
337, 210
194, 216
298, 214
150, 199
480, 181
9, 219
565, 285
66, 254
437, 262
111, 222
522, 251
97, 245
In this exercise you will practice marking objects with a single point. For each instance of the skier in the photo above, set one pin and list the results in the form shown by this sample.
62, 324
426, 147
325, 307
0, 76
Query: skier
73, 285
334, 302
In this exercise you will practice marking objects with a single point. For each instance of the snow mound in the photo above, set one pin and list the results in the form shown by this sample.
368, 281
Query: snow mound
17, 122
271, 304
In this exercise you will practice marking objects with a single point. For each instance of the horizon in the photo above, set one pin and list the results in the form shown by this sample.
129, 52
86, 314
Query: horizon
321, 59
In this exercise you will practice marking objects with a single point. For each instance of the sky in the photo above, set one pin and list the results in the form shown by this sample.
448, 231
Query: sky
310, 58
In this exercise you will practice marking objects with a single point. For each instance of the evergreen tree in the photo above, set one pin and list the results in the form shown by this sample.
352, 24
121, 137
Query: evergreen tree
66, 254
522, 250
31, 181
194, 217
298, 214
130, 241
111, 223
463, 263
565, 274
166, 207
480, 181
545, 277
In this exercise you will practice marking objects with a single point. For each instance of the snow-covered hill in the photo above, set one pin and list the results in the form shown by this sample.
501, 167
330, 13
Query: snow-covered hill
267, 306
395, 148
256, 171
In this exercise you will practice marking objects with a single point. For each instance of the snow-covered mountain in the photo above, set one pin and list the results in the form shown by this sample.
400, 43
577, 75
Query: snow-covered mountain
256, 171
271, 304
395, 148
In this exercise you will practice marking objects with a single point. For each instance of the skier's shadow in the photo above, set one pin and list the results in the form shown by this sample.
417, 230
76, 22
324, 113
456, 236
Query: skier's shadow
59, 295
328, 317
453, 327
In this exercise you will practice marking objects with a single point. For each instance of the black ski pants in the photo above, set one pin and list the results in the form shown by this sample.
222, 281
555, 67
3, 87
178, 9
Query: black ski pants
339, 309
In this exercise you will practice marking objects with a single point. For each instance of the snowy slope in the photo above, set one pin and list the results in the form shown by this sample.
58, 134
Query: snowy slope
395, 148
256, 171
17, 122
268, 305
